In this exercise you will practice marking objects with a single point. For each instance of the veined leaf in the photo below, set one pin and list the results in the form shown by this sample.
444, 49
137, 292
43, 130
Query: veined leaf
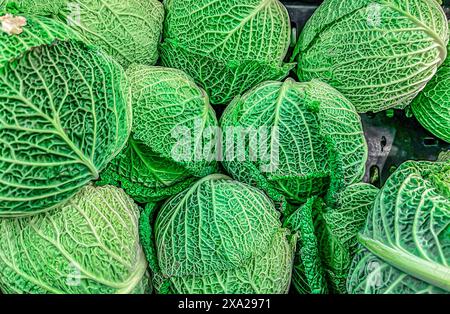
432, 106
63, 116
228, 47
405, 244
127, 30
379, 53
314, 136
220, 236
169, 144
88, 245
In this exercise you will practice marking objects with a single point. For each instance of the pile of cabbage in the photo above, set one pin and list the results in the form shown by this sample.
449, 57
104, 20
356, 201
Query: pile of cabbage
173, 147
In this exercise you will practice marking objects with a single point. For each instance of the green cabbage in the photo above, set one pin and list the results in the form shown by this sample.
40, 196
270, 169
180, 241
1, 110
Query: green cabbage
444, 156
432, 106
167, 106
63, 115
327, 238
318, 134
218, 236
378, 53
406, 241
227, 46
89, 244
128, 30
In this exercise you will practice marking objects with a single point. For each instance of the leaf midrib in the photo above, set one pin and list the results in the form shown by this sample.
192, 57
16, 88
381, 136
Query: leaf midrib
430, 272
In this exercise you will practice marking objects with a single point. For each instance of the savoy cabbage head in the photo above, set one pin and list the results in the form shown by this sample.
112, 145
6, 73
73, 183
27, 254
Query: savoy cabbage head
328, 238
432, 106
170, 116
218, 236
63, 114
227, 46
314, 138
378, 53
89, 244
128, 30
405, 245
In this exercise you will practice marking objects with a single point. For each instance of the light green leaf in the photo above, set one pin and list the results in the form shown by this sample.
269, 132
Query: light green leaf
432, 106
314, 135
378, 53
89, 244
63, 116
127, 30
227, 46
338, 229
168, 108
406, 241
327, 239
221, 236
444, 156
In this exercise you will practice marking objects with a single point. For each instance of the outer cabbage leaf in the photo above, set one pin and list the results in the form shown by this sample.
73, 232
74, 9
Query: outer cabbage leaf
308, 274
406, 241
269, 273
380, 54
128, 30
168, 108
219, 236
432, 106
39, 8
327, 239
63, 116
338, 229
314, 136
444, 156
89, 244
348, 217
144, 175
36, 33
227, 46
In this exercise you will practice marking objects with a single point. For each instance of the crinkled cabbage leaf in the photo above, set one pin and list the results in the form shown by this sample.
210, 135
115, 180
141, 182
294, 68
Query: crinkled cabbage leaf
327, 238
170, 146
432, 106
128, 30
314, 137
444, 156
218, 236
405, 245
227, 46
378, 53
63, 116
89, 244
